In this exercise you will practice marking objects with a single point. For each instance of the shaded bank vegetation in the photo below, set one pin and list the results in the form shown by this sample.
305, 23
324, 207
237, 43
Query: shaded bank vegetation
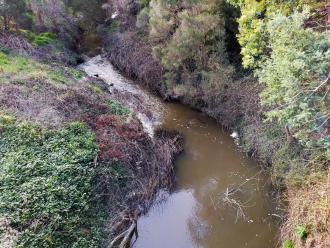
260, 68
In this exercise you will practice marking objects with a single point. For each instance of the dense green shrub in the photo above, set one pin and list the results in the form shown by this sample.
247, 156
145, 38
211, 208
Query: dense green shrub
255, 14
40, 39
44, 38
296, 76
46, 182
118, 109
189, 39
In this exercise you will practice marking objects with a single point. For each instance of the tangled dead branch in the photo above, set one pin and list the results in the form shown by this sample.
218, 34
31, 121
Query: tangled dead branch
320, 19
126, 236
16, 43
232, 197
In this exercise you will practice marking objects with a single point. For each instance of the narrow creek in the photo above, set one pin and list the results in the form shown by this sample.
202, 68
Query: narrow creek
220, 197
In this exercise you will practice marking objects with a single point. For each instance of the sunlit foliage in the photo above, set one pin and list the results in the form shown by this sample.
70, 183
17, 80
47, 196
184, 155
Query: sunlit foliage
297, 79
253, 21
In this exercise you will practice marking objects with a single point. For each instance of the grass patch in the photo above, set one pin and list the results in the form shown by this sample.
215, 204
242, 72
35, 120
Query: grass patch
3, 59
14, 64
288, 244
95, 88
18, 68
66, 74
118, 109
41, 39
46, 184
77, 74
58, 75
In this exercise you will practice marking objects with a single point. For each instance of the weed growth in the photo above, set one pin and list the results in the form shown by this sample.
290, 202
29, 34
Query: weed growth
41, 39
46, 183
288, 244
118, 109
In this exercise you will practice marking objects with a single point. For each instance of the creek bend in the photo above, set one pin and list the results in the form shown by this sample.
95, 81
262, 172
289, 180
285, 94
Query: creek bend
220, 198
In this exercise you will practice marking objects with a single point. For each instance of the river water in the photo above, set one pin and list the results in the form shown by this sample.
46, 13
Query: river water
220, 197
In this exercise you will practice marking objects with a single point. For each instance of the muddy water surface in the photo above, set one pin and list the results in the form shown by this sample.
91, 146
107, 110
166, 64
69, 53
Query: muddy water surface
220, 198
197, 213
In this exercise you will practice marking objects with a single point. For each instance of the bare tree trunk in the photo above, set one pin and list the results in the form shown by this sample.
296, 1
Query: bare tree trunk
40, 21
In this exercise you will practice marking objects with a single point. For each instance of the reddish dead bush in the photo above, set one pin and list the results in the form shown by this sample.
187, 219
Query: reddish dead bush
106, 121
132, 130
109, 153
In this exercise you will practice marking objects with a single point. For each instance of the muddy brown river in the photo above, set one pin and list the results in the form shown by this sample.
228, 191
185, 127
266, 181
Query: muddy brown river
220, 199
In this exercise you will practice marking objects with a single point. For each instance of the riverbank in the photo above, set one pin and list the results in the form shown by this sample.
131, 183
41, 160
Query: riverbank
78, 166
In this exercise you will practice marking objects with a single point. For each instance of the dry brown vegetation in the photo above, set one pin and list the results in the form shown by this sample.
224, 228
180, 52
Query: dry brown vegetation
309, 208
50, 52
320, 20
134, 58
150, 167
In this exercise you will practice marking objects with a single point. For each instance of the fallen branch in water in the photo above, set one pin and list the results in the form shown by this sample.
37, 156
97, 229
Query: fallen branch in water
126, 236
116, 239
130, 232
228, 198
